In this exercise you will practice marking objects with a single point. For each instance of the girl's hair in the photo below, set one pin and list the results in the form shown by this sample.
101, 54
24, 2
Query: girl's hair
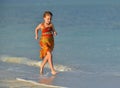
47, 13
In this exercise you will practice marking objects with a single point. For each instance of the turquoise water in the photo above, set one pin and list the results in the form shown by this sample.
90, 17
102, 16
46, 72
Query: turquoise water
86, 49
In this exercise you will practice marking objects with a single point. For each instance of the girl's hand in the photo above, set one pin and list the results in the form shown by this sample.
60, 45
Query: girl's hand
55, 33
36, 37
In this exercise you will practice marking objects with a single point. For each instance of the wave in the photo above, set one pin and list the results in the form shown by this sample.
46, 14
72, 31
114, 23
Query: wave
36, 83
29, 62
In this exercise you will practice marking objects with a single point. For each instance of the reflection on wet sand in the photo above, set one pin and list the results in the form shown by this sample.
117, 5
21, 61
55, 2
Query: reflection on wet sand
47, 80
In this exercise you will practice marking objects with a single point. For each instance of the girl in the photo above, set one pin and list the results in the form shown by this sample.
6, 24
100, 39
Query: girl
46, 41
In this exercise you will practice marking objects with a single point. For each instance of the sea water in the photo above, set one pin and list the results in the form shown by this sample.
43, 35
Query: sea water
87, 47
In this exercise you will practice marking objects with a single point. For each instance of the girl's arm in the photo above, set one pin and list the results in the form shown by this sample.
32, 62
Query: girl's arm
54, 31
36, 31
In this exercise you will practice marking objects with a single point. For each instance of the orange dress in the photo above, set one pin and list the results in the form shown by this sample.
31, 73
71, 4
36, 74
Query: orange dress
46, 41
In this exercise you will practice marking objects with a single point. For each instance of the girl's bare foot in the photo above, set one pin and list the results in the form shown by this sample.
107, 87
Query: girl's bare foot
54, 72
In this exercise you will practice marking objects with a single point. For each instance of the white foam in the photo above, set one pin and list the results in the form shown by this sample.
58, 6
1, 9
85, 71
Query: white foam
29, 62
36, 83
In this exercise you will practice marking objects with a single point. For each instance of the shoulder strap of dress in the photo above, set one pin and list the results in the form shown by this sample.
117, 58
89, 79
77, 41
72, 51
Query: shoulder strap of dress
43, 24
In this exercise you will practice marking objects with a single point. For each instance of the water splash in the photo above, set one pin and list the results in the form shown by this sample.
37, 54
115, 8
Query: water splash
29, 62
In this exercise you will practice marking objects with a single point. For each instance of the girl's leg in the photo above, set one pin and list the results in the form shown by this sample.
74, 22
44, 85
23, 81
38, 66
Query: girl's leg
43, 64
51, 63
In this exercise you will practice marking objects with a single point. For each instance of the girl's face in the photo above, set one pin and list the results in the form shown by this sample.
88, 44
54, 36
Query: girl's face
47, 19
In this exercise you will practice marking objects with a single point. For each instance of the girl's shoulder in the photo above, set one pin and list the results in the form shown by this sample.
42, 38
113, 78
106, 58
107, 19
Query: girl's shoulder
42, 25
52, 24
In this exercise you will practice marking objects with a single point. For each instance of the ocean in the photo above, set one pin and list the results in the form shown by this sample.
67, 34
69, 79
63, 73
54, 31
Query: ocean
87, 47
